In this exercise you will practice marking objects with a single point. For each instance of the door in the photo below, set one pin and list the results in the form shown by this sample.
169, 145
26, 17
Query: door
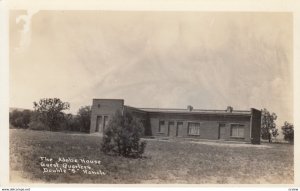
171, 129
179, 126
99, 124
222, 131
105, 122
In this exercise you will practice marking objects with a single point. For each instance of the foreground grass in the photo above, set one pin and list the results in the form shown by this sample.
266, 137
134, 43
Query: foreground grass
164, 161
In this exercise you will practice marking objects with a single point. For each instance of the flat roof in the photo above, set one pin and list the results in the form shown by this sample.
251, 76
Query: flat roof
107, 99
194, 111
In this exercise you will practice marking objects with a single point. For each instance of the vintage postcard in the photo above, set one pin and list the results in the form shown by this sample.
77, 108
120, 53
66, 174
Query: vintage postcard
147, 96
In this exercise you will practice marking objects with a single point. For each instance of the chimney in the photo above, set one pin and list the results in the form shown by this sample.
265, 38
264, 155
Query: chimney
229, 109
189, 108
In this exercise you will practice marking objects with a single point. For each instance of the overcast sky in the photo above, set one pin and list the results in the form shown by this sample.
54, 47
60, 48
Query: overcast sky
153, 59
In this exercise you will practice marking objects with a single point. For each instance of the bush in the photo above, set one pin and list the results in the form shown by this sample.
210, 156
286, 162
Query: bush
288, 132
71, 123
37, 125
75, 123
122, 136
20, 119
84, 118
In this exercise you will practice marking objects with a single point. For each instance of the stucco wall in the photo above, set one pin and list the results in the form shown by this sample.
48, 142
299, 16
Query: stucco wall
104, 107
209, 125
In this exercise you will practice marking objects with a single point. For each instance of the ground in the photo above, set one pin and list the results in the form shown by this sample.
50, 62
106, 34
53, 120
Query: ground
165, 161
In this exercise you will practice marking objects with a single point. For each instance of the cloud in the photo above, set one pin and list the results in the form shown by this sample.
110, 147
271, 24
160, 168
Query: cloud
26, 31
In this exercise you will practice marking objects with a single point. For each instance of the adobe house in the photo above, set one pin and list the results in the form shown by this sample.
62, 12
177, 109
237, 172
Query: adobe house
226, 124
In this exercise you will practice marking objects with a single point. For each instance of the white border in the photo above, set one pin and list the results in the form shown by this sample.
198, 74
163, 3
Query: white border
142, 5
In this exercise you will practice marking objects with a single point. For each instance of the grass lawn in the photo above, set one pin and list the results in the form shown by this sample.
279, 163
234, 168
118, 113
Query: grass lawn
164, 162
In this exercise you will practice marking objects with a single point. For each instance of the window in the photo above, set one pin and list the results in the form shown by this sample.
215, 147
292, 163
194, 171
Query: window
161, 127
237, 130
194, 129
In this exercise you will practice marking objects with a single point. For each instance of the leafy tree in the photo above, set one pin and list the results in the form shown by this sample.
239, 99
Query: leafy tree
20, 119
288, 132
49, 111
84, 118
122, 136
268, 125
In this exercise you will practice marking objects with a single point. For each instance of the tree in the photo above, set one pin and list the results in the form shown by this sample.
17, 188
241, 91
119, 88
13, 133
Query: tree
288, 132
20, 119
49, 111
268, 125
84, 118
70, 123
122, 136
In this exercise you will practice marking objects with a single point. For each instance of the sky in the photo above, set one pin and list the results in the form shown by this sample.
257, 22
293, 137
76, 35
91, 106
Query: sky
166, 59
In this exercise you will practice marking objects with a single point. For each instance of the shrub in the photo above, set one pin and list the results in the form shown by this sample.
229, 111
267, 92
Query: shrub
122, 136
75, 123
84, 118
37, 125
71, 123
288, 132
20, 119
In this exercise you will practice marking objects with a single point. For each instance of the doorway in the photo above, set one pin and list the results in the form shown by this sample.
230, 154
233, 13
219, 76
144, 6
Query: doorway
99, 124
222, 131
179, 126
171, 128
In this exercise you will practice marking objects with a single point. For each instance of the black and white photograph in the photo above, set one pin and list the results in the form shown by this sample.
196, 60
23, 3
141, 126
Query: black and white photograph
149, 97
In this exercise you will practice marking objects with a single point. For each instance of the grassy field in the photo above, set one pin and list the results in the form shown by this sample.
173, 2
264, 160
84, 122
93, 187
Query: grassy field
164, 162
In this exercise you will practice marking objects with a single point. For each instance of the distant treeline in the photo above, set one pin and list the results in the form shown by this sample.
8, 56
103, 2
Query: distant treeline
48, 115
